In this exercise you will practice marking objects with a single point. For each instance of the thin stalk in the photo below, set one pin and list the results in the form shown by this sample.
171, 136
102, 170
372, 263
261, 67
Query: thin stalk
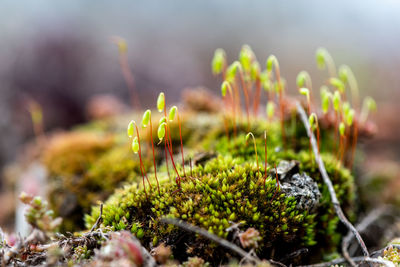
233, 108
180, 136
166, 158
154, 158
169, 145
255, 149
237, 99
256, 101
265, 157
246, 96
142, 169
127, 73
278, 79
354, 143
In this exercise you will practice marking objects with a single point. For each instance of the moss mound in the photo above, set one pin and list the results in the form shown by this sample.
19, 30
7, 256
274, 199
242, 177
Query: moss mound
229, 188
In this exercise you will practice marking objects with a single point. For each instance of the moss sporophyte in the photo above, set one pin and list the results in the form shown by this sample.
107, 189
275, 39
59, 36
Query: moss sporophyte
225, 183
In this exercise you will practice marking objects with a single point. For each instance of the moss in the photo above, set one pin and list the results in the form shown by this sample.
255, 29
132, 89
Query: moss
88, 163
391, 253
85, 167
72, 153
229, 189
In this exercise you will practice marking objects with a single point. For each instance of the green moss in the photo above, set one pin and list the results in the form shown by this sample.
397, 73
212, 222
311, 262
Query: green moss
229, 189
85, 167
88, 163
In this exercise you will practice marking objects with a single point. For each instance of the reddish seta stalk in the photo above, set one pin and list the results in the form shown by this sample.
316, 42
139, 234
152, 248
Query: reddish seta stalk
340, 153
246, 98
265, 158
166, 158
337, 119
180, 136
354, 143
129, 79
142, 169
154, 158
257, 97
169, 145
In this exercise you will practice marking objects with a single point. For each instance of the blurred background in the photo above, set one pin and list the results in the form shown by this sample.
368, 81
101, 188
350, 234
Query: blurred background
60, 54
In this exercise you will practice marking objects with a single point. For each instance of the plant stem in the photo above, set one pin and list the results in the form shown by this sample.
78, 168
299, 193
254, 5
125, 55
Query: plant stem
154, 158
142, 169
255, 149
246, 96
237, 99
180, 135
256, 101
233, 109
166, 158
169, 144
354, 143
265, 157
129, 79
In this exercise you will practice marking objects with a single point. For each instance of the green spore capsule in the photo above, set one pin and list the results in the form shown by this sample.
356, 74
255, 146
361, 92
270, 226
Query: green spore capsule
135, 145
271, 61
224, 88
342, 128
161, 102
301, 79
131, 128
146, 118
350, 117
337, 83
161, 131
336, 100
217, 63
172, 113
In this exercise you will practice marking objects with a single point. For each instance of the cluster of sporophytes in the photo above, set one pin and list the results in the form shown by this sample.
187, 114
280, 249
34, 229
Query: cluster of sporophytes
233, 177
88, 163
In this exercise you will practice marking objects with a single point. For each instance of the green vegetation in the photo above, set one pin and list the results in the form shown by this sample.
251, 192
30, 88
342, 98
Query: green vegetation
200, 168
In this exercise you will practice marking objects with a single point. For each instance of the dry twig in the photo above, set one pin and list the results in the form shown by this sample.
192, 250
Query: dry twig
205, 233
329, 184
99, 219
362, 226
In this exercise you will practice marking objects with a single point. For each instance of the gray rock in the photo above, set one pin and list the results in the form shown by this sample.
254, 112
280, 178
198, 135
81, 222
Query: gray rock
285, 169
304, 189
